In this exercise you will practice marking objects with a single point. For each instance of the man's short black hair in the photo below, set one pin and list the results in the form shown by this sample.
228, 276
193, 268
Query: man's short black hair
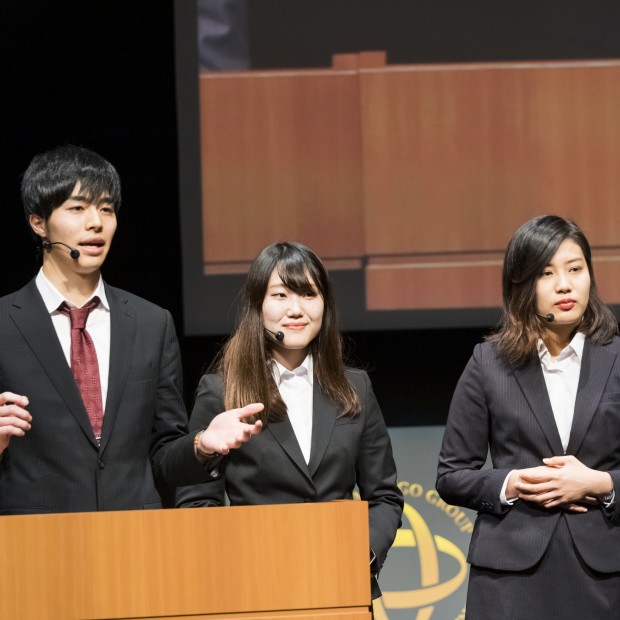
51, 177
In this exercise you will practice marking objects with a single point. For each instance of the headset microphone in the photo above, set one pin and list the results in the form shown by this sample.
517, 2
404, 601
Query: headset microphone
548, 317
279, 336
74, 253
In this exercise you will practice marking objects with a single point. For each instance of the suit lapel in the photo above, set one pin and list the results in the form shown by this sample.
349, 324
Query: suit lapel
324, 415
122, 337
34, 323
532, 384
596, 365
285, 435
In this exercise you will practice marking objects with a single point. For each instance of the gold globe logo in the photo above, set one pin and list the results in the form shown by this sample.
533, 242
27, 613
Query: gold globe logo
431, 590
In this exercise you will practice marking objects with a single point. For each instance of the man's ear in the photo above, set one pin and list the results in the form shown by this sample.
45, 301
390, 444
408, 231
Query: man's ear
37, 223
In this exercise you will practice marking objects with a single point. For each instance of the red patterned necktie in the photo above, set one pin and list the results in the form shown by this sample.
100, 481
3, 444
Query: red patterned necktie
84, 363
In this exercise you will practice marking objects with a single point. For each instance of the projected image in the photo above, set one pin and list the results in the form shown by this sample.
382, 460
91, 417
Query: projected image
406, 177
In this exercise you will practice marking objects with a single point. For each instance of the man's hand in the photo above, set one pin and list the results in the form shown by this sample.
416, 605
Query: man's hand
14, 419
228, 430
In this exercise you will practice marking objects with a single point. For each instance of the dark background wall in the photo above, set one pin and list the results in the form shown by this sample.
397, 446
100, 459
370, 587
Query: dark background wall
101, 74
296, 33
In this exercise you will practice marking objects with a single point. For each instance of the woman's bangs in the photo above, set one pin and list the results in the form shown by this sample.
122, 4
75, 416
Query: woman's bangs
296, 276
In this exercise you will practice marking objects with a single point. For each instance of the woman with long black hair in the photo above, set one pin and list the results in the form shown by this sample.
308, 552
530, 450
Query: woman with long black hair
323, 430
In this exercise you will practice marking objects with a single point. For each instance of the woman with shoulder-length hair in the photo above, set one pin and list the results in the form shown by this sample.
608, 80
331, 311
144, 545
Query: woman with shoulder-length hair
323, 430
542, 397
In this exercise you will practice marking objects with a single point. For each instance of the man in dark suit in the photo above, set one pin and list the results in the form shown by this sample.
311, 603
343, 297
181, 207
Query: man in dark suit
111, 442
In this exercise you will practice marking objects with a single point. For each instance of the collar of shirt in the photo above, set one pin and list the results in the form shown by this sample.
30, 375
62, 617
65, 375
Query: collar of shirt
573, 349
305, 370
53, 298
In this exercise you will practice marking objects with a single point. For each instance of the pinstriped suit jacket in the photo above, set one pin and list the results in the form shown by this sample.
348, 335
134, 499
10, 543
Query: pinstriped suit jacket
57, 466
507, 411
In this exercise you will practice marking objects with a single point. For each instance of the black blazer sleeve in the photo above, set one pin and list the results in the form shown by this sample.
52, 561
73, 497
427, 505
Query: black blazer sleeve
376, 472
461, 479
172, 450
208, 404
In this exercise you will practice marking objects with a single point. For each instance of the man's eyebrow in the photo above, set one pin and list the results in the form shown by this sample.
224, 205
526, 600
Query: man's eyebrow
88, 200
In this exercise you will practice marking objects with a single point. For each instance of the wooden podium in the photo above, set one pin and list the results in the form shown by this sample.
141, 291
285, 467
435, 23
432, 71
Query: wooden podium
280, 561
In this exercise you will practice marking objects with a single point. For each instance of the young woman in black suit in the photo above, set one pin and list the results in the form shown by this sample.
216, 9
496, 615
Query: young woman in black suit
542, 396
323, 429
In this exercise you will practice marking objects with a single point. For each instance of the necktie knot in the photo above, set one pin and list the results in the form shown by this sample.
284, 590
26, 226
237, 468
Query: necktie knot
79, 316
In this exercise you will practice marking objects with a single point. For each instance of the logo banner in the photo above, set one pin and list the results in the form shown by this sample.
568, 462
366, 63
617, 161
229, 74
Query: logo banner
425, 574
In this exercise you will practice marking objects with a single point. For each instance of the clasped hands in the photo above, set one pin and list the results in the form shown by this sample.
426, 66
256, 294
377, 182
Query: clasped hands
562, 482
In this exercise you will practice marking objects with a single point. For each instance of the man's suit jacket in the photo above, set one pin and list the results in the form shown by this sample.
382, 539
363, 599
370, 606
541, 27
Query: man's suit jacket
508, 411
58, 466
270, 468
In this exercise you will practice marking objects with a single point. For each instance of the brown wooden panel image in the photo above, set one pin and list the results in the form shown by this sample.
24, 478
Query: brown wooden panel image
281, 159
419, 174
456, 157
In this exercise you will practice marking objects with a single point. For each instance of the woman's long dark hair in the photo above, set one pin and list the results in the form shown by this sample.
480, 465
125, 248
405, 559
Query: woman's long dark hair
245, 362
529, 251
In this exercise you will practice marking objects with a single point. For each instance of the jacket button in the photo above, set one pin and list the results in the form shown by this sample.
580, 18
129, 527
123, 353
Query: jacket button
100, 464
